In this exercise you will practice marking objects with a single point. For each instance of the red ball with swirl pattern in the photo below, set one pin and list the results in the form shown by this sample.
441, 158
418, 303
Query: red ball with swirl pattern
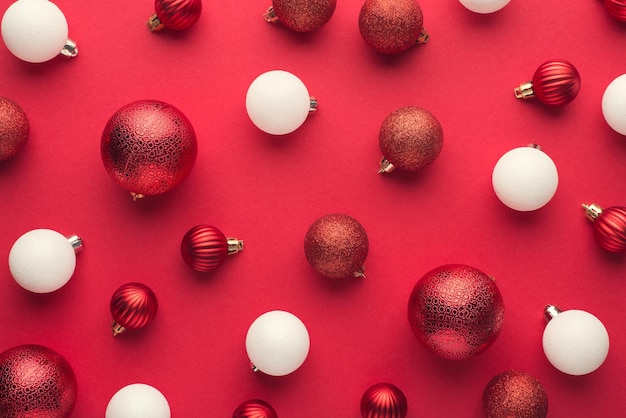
204, 247
133, 306
255, 408
609, 226
555, 83
174, 14
383, 400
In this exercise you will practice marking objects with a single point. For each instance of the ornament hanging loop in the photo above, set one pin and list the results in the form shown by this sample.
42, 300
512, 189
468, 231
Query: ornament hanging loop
270, 15
76, 242
593, 211
385, 166
154, 23
313, 105
70, 49
550, 312
524, 91
423, 38
234, 245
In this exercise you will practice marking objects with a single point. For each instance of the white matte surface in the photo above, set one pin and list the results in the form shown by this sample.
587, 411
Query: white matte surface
138, 401
614, 104
484, 6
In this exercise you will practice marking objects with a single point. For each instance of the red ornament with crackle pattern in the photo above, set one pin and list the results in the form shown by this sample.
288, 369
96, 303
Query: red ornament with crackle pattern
555, 83
174, 14
255, 408
383, 400
204, 247
609, 226
515, 394
133, 306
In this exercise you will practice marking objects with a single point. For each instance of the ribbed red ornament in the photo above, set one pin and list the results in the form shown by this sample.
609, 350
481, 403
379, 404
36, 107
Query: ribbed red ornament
609, 226
36, 382
383, 400
555, 83
204, 247
175, 14
616, 8
133, 306
255, 408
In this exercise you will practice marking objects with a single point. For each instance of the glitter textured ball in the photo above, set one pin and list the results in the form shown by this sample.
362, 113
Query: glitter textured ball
255, 408
148, 147
204, 247
609, 226
456, 311
383, 400
554, 83
336, 246
301, 15
410, 138
36, 381
133, 306
392, 26
515, 394
14, 128
616, 8
174, 14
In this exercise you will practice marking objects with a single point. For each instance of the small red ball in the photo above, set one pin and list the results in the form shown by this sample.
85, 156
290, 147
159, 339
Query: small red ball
133, 306
14, 128
383, 400
456, 311
304, 15
204, 247
515, 394
410, 138
178, 14
255, 408
616, 8
556, 82
336, 246
36, 381
609, 226
391, 26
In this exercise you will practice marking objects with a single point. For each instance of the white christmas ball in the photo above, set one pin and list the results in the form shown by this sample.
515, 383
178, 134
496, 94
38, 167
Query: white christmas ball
277, 343
42, 260
34, 30
138, 401
278, 102
525, 179
484, 6
575, 342
614, 104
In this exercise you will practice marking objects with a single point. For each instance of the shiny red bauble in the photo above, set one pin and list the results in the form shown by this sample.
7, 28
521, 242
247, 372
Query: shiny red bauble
609, 226
204, 247
515, 394
148, 147
14, 128
255, 408
554, 83
301, 15
383, 400
456, 311
133, 306
616, 8
175, 14
36, 381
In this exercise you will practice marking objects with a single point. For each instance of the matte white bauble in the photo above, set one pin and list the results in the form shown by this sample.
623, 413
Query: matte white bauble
484, 6
278, 102
138, 401
574, 341
277, 343
614, 104
525, 178
43, 260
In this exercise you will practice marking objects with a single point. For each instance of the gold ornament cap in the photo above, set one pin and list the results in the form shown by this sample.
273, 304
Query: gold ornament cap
593, 211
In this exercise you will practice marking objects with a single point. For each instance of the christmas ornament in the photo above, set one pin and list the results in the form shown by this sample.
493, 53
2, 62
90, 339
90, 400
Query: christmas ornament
148, 147
133, 306
255, 408
515, 394
383, 400
301, 15
36, 31
574, 341
174, 14
278, 102
484, 6
409, 138
616, 8
138, 400
609, 226
392, 26
277, 343
525, 178
555, 83
14, 128
614, 104
456, 311
204, 247
43, 260
336, 246
36, 381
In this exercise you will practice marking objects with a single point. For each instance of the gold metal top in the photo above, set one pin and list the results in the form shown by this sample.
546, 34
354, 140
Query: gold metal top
360, 273
313, 105
76, 242
592, 211
550, 312
524, 91
234, 245
424, 37
117, 328
270, 15
154, 24
385, 166
70, 49
137, 196
254, 368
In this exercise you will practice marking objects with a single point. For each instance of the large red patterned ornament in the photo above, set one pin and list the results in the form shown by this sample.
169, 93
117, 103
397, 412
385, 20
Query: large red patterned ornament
383, 400
616, 8
609, 226
174, 14
554, 83
14, 128
515, 394
133, 306
36, 382
255, 408
301, 15
204, 247
148, 147
456, 311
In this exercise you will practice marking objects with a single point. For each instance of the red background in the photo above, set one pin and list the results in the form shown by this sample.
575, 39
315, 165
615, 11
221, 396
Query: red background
268, 190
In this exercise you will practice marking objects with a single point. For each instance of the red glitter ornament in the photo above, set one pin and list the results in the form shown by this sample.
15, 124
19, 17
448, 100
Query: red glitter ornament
515, 394
14, 128
133, 306
301, 15
456, 311
36, 381
609, 226
392, 26
555, 83
336, 246
148, 147
204, 247
616, 8
409, 138
383, 400
255, 408
174, 14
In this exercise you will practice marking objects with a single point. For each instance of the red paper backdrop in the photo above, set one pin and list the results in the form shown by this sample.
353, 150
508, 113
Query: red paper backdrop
268, 190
